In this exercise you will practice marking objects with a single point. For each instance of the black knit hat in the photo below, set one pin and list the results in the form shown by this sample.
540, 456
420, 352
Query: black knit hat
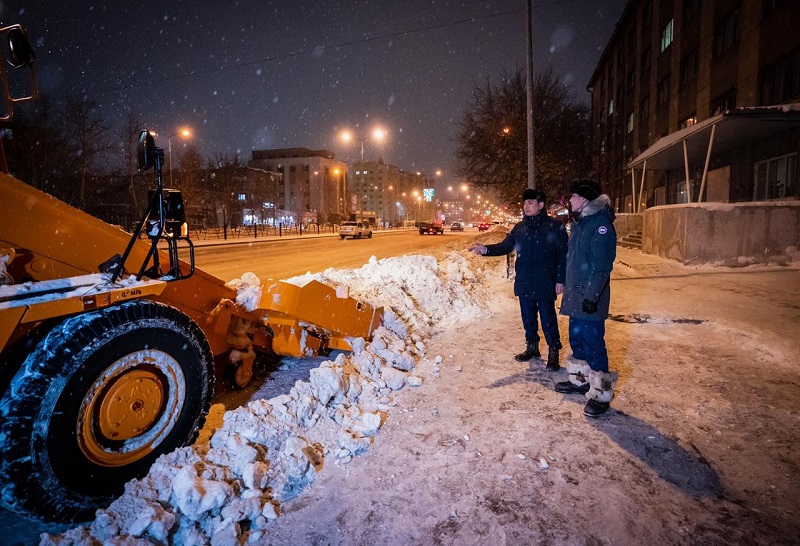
588, 189
530, 193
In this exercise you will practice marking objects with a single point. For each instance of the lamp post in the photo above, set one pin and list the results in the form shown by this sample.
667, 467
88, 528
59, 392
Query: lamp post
184, 133
378, 134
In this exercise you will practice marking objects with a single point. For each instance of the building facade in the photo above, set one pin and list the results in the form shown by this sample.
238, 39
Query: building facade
313, 183
385, 192
672, 64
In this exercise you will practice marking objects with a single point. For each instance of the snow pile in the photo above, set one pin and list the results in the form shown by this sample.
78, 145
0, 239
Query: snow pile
417, 292
227, 490
5, 278
248, 291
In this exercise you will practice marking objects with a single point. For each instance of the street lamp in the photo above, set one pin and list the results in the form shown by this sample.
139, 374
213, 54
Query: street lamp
184, 133
377, 134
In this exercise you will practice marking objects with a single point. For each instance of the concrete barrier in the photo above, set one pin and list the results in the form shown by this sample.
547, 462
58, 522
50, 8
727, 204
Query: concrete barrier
626, 223
724, 233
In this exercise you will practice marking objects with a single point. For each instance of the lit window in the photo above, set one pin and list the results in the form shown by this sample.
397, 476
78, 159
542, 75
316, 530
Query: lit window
688, 122
666, 36
610, 107
775, 177
630, 123
242, 197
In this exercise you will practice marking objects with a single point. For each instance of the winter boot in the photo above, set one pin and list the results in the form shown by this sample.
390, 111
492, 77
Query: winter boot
578, 377
600, 393
531, 351
552, 360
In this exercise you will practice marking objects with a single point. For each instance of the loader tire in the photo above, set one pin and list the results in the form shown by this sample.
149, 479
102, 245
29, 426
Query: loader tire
95, 402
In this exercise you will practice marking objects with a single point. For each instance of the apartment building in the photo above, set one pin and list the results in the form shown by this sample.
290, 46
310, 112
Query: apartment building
313, 183
684, 103
386, 192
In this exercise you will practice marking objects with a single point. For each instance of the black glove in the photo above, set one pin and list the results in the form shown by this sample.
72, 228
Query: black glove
589, 306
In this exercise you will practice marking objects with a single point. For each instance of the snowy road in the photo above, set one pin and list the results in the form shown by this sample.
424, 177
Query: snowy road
284, 258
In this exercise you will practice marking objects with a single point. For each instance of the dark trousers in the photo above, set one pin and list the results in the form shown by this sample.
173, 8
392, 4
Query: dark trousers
587, 340
530, 308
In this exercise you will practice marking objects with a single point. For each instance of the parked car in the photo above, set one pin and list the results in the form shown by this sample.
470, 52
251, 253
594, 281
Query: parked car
356, 230
483, 226
456, 226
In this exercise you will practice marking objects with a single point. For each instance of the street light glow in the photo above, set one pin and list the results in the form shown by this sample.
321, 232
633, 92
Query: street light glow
185, 133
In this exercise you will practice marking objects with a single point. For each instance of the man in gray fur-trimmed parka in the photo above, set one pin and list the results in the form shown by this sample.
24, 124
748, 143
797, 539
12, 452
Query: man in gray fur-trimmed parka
587, 294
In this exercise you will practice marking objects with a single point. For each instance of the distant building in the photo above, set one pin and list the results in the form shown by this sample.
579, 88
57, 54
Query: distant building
313, 182
385, 192
661, 90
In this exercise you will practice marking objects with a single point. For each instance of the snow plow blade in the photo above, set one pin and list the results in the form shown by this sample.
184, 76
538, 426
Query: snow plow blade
331, 315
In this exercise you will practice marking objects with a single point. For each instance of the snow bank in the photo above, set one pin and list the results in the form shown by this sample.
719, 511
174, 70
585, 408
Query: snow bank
226, 491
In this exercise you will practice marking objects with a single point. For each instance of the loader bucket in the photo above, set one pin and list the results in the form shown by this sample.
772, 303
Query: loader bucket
289, 308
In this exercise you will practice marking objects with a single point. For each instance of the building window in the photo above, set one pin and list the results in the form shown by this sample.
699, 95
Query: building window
663, 91
242, 197
726, 32
666, 36
688, 122
690, 9
631, 41
689, 68
630, 123
647, 11
780, 81
723, 103
644, 109
610, 107
645, 63
775, 177
772, 5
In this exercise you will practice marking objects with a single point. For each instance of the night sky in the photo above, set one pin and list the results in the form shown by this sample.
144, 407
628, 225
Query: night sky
251, 74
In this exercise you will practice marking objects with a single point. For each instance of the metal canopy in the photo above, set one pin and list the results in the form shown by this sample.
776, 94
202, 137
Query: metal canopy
719, 134
734, 128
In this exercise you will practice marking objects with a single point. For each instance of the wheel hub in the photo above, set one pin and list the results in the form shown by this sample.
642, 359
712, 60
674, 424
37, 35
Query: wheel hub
131, 405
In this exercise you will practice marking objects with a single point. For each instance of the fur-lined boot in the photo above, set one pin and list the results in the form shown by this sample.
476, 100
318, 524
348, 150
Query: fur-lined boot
578, 377
600, 393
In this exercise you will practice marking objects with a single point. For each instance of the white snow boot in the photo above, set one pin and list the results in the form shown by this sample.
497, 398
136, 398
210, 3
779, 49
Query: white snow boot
600, 393
578, 377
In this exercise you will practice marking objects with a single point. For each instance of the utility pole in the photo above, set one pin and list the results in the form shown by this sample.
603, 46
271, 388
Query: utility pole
531, 147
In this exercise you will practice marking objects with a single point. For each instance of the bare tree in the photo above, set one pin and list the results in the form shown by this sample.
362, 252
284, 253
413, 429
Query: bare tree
189, 181
223, 172
37, 153
130, 139
86, 134
492, 139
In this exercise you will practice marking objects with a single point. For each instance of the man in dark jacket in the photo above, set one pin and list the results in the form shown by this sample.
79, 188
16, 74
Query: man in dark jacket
541, 246
590, 258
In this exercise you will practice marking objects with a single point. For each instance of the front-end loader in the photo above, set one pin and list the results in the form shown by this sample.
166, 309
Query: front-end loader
108, 342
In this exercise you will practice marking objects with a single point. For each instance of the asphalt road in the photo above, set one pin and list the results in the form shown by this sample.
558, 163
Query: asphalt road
292, 256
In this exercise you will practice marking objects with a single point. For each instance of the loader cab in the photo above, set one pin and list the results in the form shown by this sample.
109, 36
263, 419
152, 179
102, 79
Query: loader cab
174, 213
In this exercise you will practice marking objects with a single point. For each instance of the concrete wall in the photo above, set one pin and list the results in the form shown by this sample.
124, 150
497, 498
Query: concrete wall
725, 233
626, 223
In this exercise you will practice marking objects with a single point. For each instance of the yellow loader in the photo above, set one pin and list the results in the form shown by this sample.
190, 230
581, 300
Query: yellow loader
108, 342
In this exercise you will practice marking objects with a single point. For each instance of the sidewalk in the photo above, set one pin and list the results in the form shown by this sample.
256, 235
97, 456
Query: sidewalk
699, 448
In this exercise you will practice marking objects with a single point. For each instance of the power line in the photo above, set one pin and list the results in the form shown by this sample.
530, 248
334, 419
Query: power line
349, 43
